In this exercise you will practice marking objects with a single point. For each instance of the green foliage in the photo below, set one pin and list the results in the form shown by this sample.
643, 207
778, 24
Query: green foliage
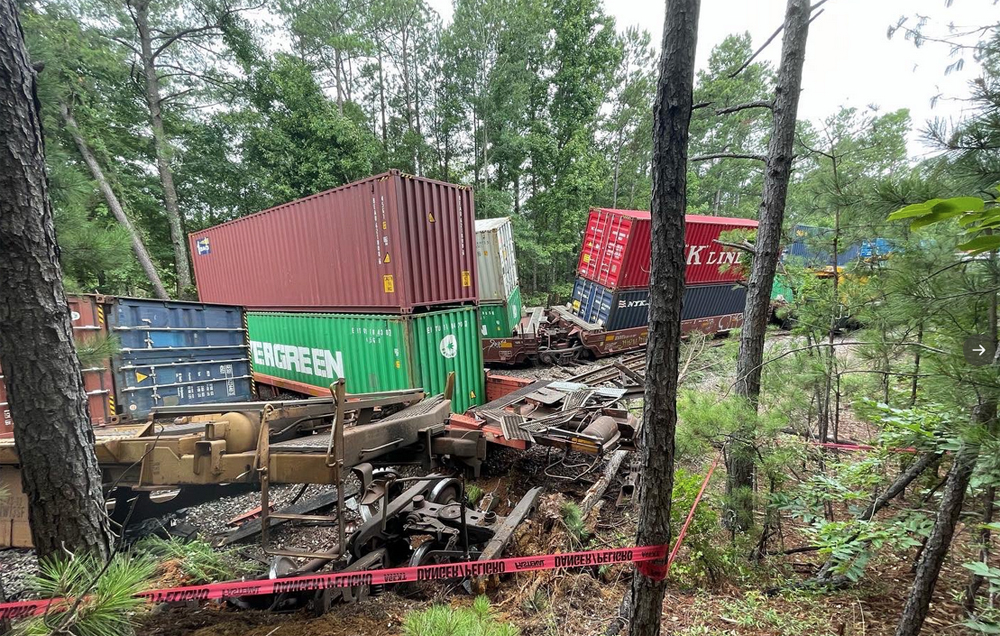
442, 620
200, 561
95, 351
703, 557
572, 517
473, 494
987, 620
107, 605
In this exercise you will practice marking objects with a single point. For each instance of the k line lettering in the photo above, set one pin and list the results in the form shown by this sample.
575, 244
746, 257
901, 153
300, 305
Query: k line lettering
696, 255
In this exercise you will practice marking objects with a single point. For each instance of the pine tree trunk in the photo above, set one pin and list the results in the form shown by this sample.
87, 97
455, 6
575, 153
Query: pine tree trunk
162, 146
114, 204
47, 400
739, 459
671, 119
936, 548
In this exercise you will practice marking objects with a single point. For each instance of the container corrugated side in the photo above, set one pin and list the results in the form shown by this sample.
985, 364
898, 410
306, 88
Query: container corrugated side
708, 262
174, 353
94, 345
448, 342
500, 319
616, 249
390, 243
371, 352
625, 309
496, 259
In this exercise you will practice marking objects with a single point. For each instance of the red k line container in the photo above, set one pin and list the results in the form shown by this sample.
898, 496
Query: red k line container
392, 243
616, 249
89, 327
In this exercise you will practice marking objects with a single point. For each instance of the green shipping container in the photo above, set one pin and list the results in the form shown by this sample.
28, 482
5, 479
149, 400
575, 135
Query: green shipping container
499, 319
373, 353
781, 290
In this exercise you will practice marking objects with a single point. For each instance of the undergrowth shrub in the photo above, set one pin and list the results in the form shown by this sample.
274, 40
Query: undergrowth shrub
442, 620
108, 603
703, 559
198, 560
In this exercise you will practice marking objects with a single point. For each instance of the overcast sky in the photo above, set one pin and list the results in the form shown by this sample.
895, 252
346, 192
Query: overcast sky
849, 59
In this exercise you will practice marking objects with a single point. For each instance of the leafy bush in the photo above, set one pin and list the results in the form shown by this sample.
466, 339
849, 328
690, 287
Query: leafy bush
573, 519
441, 620
107, 604
199, 561
473, 494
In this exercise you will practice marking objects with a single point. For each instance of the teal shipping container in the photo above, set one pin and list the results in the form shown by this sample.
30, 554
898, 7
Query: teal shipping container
500, 319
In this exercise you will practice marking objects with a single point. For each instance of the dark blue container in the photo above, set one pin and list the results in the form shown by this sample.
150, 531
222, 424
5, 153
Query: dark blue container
811, 246
175, 353
625, 309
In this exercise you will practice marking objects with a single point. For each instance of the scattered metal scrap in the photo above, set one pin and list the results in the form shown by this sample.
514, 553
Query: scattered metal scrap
561, 415
627, 372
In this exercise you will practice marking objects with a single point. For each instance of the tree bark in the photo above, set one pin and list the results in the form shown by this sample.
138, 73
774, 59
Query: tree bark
739, 459
671, 120
936, 548
162, 146
48, 403
114, 204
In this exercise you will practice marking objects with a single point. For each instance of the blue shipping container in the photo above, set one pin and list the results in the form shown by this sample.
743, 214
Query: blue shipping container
811, 247
176, 353
625, 309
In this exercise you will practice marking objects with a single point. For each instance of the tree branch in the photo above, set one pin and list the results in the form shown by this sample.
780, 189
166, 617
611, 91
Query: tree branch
729, 155
745, 246
761, 103
771, 39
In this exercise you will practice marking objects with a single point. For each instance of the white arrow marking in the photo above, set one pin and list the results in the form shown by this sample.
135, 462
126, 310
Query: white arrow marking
981, 349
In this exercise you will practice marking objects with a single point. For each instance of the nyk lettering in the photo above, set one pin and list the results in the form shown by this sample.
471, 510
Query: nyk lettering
696, 255
580, 560
460, 570
321, 363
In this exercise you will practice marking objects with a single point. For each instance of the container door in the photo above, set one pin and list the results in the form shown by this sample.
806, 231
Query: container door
446, 342
508, 258
175, 353
95, 346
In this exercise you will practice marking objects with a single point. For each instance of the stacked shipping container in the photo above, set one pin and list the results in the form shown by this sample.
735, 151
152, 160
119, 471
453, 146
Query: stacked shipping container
612, 288
499, 293
138, 354
392, 244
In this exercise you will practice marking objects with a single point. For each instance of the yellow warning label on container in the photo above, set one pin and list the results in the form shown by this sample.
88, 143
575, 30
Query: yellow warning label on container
384, 225
397, 364
576, 305
386, 259
430, 217
139, 377
466, 278
472, 395
586, 258
387, 284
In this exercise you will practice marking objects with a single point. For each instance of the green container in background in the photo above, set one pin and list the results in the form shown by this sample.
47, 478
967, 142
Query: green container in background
500, 319
373, 352
781, 290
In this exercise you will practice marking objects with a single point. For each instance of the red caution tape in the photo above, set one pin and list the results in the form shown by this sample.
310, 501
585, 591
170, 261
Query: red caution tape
22, 609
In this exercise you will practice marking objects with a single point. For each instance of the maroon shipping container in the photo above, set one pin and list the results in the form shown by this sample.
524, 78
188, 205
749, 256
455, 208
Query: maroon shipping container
390, 243
89, 324
616, 249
